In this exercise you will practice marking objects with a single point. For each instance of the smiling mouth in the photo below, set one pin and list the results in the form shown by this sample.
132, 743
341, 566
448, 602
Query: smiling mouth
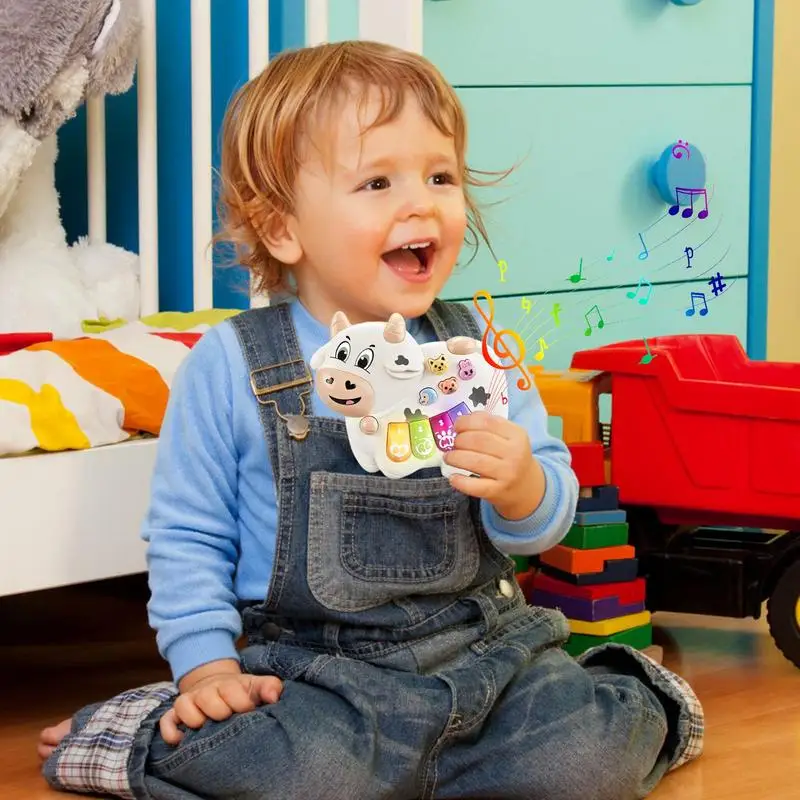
411, 260
345, 401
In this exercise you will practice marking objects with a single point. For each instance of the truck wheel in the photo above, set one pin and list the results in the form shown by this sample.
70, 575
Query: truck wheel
783, 613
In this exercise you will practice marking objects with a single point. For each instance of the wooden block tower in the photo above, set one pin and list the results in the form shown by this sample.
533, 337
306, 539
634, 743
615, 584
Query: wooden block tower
591, 577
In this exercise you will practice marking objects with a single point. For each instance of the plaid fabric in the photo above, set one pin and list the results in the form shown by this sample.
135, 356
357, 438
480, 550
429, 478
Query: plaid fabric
691, 721
94, 759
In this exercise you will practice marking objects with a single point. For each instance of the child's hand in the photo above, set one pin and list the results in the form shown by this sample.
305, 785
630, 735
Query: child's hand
500, 452
216, 696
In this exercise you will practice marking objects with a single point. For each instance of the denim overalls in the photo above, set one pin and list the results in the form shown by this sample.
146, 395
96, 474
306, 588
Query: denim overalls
413, 667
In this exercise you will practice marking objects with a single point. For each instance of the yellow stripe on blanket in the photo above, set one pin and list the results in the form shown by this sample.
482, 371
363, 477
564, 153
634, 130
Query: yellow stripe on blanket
186, 320
137, 385
54, 426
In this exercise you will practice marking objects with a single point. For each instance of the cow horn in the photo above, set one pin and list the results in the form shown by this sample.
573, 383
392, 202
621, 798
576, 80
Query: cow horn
339, 323
395, 330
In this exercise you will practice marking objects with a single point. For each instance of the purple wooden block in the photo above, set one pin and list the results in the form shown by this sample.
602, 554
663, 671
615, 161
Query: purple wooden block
587, 610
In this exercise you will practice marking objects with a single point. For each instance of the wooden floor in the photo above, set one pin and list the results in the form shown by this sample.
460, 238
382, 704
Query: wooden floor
63, 648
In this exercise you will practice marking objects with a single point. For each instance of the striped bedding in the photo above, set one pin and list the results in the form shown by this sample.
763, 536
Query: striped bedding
100, 389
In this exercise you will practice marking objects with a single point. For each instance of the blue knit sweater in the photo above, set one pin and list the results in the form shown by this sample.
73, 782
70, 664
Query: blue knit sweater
212, 517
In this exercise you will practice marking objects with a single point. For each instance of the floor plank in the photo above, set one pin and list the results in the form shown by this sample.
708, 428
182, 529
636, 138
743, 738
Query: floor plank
66, 647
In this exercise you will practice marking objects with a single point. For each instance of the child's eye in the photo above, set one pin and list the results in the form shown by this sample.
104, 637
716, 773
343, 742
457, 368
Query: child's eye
376, 184
442, 178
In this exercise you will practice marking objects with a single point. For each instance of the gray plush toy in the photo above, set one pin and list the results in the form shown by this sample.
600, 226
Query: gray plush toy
54, 54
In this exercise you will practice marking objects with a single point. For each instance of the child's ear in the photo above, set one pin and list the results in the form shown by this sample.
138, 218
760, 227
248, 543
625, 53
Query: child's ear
278, 232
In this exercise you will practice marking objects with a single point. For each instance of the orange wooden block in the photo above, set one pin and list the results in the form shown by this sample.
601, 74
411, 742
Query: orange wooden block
570, 559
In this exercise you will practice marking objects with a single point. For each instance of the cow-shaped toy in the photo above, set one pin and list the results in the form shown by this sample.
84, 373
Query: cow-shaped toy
402, 398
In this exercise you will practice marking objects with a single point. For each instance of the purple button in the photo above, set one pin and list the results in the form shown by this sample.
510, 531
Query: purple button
443, 431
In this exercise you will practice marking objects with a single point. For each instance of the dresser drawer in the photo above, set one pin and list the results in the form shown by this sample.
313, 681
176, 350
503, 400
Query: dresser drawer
557, 322
583, 189
589, 42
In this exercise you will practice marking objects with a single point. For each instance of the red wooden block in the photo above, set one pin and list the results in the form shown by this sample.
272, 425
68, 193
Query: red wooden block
627, 592
525, 581
588, 463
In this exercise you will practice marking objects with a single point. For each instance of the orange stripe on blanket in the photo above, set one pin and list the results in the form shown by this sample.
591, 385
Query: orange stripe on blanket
53, 425
136, 384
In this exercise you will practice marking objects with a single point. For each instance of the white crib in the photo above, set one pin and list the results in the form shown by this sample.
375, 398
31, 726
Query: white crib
75, 516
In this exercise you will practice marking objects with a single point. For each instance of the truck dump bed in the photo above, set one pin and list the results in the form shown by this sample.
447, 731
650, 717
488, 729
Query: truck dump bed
701, 433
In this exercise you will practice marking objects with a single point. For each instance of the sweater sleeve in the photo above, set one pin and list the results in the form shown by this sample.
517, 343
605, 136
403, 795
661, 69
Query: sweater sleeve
547, 525
191, 525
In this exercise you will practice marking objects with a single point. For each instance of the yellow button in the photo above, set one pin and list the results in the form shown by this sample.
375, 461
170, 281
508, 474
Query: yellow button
506, 588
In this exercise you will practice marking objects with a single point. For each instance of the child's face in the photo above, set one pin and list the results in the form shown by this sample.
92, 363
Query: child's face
396, 185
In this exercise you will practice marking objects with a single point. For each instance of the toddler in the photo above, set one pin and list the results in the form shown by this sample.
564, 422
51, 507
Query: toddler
389, 650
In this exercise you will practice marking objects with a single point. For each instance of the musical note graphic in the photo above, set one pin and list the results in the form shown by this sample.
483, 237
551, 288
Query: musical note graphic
542, 347
645, 252
689, 255
610, 256
691, 194
642, 282
601, 322
577, 276
697, 296
555, 312
648, 356
526, 305
503, 265
681, 145
499, 346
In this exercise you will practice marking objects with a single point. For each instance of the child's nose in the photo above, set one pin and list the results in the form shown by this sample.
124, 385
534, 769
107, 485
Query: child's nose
418, 208
418, 202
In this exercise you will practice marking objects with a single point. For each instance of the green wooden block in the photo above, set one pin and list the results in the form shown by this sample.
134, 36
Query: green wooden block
522, 563
589, 537
639, 638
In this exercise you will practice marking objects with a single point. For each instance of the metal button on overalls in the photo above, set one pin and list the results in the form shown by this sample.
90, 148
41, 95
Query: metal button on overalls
506, 588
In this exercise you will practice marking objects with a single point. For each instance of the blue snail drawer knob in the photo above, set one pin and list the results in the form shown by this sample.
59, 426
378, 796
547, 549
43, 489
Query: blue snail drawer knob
685, 2
679, 176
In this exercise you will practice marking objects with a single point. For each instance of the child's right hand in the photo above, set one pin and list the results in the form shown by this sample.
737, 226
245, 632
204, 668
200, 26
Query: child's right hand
215, 691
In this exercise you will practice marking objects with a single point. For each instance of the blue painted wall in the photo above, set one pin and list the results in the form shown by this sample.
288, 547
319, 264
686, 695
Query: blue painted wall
229, 69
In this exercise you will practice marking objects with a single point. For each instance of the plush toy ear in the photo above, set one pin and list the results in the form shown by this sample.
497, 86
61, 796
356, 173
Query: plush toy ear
117, 27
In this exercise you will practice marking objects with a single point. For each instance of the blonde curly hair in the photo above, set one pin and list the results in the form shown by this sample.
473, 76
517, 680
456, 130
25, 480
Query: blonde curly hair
267, 119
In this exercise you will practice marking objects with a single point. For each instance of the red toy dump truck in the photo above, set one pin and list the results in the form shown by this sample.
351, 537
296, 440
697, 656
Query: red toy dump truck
704, 447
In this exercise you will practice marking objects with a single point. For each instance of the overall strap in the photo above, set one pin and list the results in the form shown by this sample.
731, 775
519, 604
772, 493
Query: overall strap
452, 319
279, 378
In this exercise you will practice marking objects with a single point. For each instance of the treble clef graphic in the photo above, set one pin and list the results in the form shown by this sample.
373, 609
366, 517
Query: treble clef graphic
500, 347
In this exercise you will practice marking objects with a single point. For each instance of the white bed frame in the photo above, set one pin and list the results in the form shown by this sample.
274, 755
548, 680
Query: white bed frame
75, 516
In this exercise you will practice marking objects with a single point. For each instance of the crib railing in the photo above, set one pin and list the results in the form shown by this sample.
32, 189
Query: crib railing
396, 21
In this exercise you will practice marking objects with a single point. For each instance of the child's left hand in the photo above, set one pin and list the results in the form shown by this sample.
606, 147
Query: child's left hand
500, 452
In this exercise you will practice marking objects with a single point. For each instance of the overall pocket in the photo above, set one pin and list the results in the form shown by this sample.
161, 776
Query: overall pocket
372, 539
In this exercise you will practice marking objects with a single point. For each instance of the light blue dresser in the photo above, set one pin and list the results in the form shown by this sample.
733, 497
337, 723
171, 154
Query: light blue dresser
585, 96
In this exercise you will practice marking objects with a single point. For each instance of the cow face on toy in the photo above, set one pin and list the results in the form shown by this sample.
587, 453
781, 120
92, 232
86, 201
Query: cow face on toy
357, 371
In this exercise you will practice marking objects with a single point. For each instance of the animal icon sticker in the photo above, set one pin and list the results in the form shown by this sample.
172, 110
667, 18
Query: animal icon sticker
401, 399
438, 364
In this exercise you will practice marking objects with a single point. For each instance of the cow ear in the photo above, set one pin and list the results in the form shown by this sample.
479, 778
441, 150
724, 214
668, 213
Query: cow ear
318, 357
339, 323
405, 364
